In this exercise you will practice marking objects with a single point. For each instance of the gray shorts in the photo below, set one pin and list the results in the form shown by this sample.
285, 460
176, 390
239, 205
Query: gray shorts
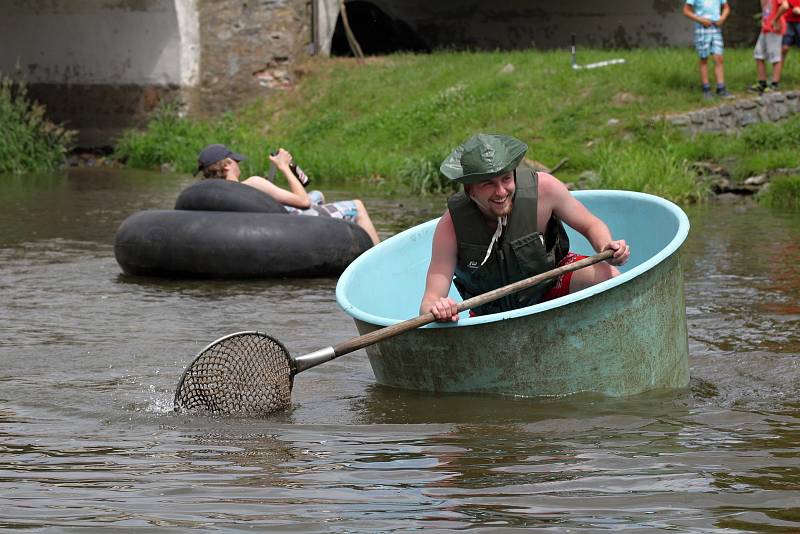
768, 47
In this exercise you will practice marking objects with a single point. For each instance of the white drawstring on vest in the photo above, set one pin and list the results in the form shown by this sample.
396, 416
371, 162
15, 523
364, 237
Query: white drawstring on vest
501, 222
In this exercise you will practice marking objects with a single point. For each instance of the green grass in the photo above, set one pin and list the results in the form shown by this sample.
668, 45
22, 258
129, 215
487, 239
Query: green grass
391, 120
175, 141
28, 141
783, 192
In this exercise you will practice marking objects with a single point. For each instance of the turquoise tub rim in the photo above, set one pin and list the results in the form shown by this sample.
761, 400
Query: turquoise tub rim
674, 244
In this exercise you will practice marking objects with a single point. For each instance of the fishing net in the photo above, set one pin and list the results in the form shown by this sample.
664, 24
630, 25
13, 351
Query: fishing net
248, 373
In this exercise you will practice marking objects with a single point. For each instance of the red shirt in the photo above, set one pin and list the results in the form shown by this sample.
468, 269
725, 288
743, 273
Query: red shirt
789, 16
768, 10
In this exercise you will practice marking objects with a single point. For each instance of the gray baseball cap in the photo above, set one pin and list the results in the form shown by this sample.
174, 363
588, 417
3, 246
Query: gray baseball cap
214, 153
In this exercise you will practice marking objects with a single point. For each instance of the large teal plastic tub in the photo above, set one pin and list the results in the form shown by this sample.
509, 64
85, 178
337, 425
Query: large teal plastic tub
621, 337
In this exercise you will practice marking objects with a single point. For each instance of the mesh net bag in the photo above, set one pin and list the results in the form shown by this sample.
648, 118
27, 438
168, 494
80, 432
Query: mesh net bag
248, 373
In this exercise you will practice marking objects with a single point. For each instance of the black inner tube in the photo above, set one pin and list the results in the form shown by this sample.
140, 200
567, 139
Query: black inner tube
215, 194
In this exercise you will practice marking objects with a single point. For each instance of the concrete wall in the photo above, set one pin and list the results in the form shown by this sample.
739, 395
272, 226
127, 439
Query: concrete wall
100, 65
514, 24
248, 48
103, 65
94, 41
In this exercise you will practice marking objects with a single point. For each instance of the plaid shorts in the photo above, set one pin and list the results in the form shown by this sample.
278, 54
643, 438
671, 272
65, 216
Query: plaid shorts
344, 209
708, 41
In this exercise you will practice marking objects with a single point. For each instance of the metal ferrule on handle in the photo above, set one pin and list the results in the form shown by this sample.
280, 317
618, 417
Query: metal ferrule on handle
312, 359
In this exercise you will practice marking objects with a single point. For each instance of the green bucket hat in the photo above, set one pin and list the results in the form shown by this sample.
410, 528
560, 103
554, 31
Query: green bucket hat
482, 157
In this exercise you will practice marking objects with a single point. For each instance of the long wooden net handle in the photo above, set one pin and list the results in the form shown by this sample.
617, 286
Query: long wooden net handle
390, 331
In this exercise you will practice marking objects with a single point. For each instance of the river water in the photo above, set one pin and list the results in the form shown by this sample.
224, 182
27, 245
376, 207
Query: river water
89, 360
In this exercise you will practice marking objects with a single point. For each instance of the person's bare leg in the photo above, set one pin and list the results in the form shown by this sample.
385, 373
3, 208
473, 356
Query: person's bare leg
776, 72
761, 69
365, 222
704, 71
719, 70
589, 276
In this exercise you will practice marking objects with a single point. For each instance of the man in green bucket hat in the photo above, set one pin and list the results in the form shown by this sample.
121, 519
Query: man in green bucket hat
506, 225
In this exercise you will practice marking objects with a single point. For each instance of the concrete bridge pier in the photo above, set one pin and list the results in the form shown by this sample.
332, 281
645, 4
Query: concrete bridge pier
104, 65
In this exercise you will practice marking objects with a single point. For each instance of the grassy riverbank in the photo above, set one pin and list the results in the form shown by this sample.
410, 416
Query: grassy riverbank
28, 141
391, 120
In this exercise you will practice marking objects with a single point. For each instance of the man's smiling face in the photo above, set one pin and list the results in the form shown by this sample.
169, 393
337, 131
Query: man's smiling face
494, 197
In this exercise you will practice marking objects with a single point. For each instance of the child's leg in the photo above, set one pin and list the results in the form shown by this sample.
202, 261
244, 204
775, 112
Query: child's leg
717, 49
719, 74
703, 44
776, 72
719, 70
761, 69
704, 71
774, 45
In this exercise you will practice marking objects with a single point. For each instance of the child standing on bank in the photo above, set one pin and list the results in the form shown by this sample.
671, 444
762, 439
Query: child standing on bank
708, 17
768, 46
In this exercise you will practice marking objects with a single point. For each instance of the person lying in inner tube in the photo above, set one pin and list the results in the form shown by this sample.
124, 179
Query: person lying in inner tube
506, 226
217, 161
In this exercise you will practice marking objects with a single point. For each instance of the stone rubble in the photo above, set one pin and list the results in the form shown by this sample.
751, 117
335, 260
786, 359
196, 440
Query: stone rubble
730, 118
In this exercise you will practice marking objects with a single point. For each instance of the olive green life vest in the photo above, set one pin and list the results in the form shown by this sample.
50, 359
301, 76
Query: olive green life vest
521, 251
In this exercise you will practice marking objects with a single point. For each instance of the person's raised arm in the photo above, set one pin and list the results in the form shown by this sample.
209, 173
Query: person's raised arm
297, 197
440, 273
572, 212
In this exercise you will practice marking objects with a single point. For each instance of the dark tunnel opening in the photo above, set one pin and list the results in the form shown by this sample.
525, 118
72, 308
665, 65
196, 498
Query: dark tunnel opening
376, 32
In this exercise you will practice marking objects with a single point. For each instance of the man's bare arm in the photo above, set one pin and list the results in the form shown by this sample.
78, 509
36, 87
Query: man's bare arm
575, 214
440, 272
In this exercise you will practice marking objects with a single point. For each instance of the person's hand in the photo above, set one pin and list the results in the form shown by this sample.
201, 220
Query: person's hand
776, 25
796, 10
622, 252
282, 159
706, 23
445, 310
